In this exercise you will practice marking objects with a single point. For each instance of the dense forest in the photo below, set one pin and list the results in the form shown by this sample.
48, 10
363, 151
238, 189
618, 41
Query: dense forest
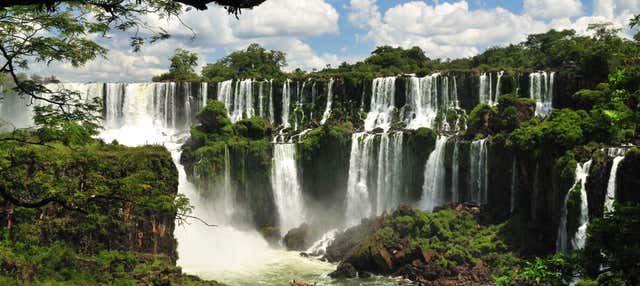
517, 166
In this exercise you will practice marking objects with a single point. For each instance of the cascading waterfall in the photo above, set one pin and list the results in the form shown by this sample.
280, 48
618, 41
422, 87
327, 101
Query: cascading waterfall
286, 103
611, 184
478, 173
314, 93
578, 240
375, 169
382, 104
389, 168
261, 111
204, 90
423, 94
455, 173
433, 190
320, 247
287, 191
454, 93
541, 90
225, 94
487, 94
272, 114
327, 111
485, 88
238, 100
358, 201
498, 86
229, 194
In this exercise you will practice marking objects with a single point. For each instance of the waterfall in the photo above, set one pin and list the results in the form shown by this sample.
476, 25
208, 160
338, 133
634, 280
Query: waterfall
487, 94
541, 90
229, 194
455, 173
238, 100
113, 104
423, 94
498, 86
478, 173
577, 242
433, 190
485, 89
286, 103
389, 161
314, 93
319, 247
287, 191
611, 184
456, 102
358, 201
261, 100
382, 104
327, 111
375, 172
272, 114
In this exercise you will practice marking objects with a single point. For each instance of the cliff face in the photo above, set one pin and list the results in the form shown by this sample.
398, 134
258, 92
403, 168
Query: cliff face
110, 215
527, 184
119, 198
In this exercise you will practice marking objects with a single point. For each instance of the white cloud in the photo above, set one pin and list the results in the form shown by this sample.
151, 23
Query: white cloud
288, 17
363, 13
552, 9
277, 24
454, 30
450, 29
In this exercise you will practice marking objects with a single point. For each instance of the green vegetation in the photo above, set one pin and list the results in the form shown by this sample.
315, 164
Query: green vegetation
552, 270
182, 67
441, 245
246, 147
619, 253
253, 62
59, 264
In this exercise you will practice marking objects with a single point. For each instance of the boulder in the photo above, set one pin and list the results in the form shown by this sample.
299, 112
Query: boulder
345, 270
298, 239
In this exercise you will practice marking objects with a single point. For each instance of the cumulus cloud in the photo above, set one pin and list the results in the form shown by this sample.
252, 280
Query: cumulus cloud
277, 24
552, 9
452, 30
363, 13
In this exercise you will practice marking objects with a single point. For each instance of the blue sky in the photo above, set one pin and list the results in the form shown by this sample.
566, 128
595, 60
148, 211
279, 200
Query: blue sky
315, 33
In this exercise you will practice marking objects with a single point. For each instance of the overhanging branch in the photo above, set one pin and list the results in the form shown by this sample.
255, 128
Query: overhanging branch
231, 5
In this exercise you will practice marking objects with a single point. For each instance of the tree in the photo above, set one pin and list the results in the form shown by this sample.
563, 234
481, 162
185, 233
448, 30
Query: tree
255, 61
48, 31
182, 67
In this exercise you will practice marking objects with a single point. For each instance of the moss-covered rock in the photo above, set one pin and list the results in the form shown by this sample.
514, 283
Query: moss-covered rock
442, 246
299, 238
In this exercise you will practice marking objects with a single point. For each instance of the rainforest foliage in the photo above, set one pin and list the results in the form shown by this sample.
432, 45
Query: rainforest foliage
75, 209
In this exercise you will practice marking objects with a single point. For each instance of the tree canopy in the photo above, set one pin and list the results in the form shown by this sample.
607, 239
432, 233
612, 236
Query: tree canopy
182, 67
252, 62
